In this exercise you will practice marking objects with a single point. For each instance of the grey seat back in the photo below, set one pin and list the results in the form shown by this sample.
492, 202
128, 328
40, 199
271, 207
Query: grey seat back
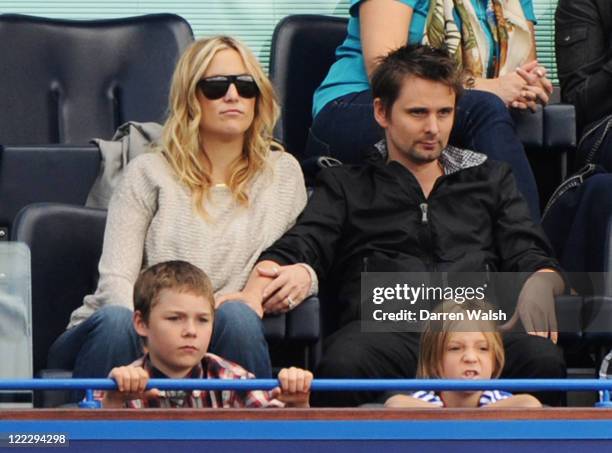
65, 81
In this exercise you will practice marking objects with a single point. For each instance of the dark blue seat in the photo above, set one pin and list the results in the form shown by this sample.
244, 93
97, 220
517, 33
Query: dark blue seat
64, 82
52, 173
67, 81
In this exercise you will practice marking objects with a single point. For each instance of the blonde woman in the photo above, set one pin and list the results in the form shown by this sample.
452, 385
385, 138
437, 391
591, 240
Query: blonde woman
216, 193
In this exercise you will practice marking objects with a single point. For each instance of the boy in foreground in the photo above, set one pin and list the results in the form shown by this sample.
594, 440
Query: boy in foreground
173, 314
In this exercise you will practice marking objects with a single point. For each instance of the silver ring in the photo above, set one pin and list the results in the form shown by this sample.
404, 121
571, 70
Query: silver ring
290, 303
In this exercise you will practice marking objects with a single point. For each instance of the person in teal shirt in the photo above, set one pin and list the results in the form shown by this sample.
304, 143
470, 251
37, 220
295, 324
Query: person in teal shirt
506, 74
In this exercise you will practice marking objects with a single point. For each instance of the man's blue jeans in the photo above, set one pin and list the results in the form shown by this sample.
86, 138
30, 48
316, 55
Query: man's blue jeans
107, 339
346, 129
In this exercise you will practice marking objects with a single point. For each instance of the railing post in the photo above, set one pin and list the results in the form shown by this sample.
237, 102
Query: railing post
89, 402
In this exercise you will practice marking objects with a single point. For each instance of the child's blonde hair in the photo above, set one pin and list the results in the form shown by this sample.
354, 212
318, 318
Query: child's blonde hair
436, 335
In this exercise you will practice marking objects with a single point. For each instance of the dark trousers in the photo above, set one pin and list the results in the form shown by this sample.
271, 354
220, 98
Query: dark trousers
578, 225
351, 353
345, 129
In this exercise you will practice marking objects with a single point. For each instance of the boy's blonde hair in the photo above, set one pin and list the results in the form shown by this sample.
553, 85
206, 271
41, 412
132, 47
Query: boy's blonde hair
436, 335
179, 276
181, 144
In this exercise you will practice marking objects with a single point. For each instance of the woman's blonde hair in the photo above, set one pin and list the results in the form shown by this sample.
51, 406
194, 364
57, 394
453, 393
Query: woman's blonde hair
181, 144
436, 335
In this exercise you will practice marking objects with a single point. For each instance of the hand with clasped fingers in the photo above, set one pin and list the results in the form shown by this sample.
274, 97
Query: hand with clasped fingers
522, 89
539, 87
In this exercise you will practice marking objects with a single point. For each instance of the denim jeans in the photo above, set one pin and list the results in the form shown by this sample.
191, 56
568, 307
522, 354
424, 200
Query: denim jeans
107, 339
238, 335
346, 129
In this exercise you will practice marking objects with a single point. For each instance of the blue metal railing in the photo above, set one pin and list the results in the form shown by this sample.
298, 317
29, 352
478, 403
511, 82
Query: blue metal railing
319, 384
324, 385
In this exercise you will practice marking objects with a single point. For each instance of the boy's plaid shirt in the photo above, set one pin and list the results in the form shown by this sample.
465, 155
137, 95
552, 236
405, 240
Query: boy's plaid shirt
211, 367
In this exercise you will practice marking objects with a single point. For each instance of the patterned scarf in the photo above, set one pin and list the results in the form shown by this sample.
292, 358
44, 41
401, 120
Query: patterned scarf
470, 46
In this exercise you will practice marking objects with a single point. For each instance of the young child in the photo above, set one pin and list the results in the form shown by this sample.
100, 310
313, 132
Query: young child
461, 350
173, 314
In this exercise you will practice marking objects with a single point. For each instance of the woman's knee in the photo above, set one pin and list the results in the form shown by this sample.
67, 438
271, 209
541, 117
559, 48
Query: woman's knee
238, 317
112, 318
484, 104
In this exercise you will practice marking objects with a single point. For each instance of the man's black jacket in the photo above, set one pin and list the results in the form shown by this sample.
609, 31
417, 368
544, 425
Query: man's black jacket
375, 218
584, 56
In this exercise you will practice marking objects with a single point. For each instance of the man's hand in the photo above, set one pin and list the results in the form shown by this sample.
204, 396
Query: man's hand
289, 288
536, 305
131, 384
294, 389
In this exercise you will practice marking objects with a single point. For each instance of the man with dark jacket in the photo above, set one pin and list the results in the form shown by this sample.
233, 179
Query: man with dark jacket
415, 205
578, 223
583, 30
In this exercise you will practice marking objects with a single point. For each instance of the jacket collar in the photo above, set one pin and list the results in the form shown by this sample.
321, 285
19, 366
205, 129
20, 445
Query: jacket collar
452, 159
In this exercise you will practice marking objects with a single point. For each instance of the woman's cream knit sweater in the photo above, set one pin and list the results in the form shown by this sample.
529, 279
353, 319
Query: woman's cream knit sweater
151, 218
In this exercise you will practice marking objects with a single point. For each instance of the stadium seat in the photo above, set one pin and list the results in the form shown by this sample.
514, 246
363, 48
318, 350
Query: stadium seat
70, 81
303, 49
52, 173
66, 243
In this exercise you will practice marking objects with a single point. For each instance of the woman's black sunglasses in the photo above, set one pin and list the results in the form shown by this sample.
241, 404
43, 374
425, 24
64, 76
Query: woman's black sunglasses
216, 87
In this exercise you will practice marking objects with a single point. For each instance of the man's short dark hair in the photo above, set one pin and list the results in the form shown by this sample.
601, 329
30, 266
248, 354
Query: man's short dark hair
179, 276
416, 60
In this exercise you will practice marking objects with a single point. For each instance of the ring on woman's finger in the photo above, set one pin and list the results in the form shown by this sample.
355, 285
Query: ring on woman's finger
290, 303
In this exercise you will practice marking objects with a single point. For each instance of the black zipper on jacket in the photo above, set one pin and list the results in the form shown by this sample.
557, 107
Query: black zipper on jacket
432, 266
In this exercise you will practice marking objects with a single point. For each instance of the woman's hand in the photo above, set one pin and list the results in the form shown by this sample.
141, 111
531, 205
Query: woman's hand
289, 288
509, 88
535, 75
521, 89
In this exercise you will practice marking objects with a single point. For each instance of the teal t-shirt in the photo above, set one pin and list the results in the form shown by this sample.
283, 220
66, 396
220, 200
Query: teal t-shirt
348, 74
